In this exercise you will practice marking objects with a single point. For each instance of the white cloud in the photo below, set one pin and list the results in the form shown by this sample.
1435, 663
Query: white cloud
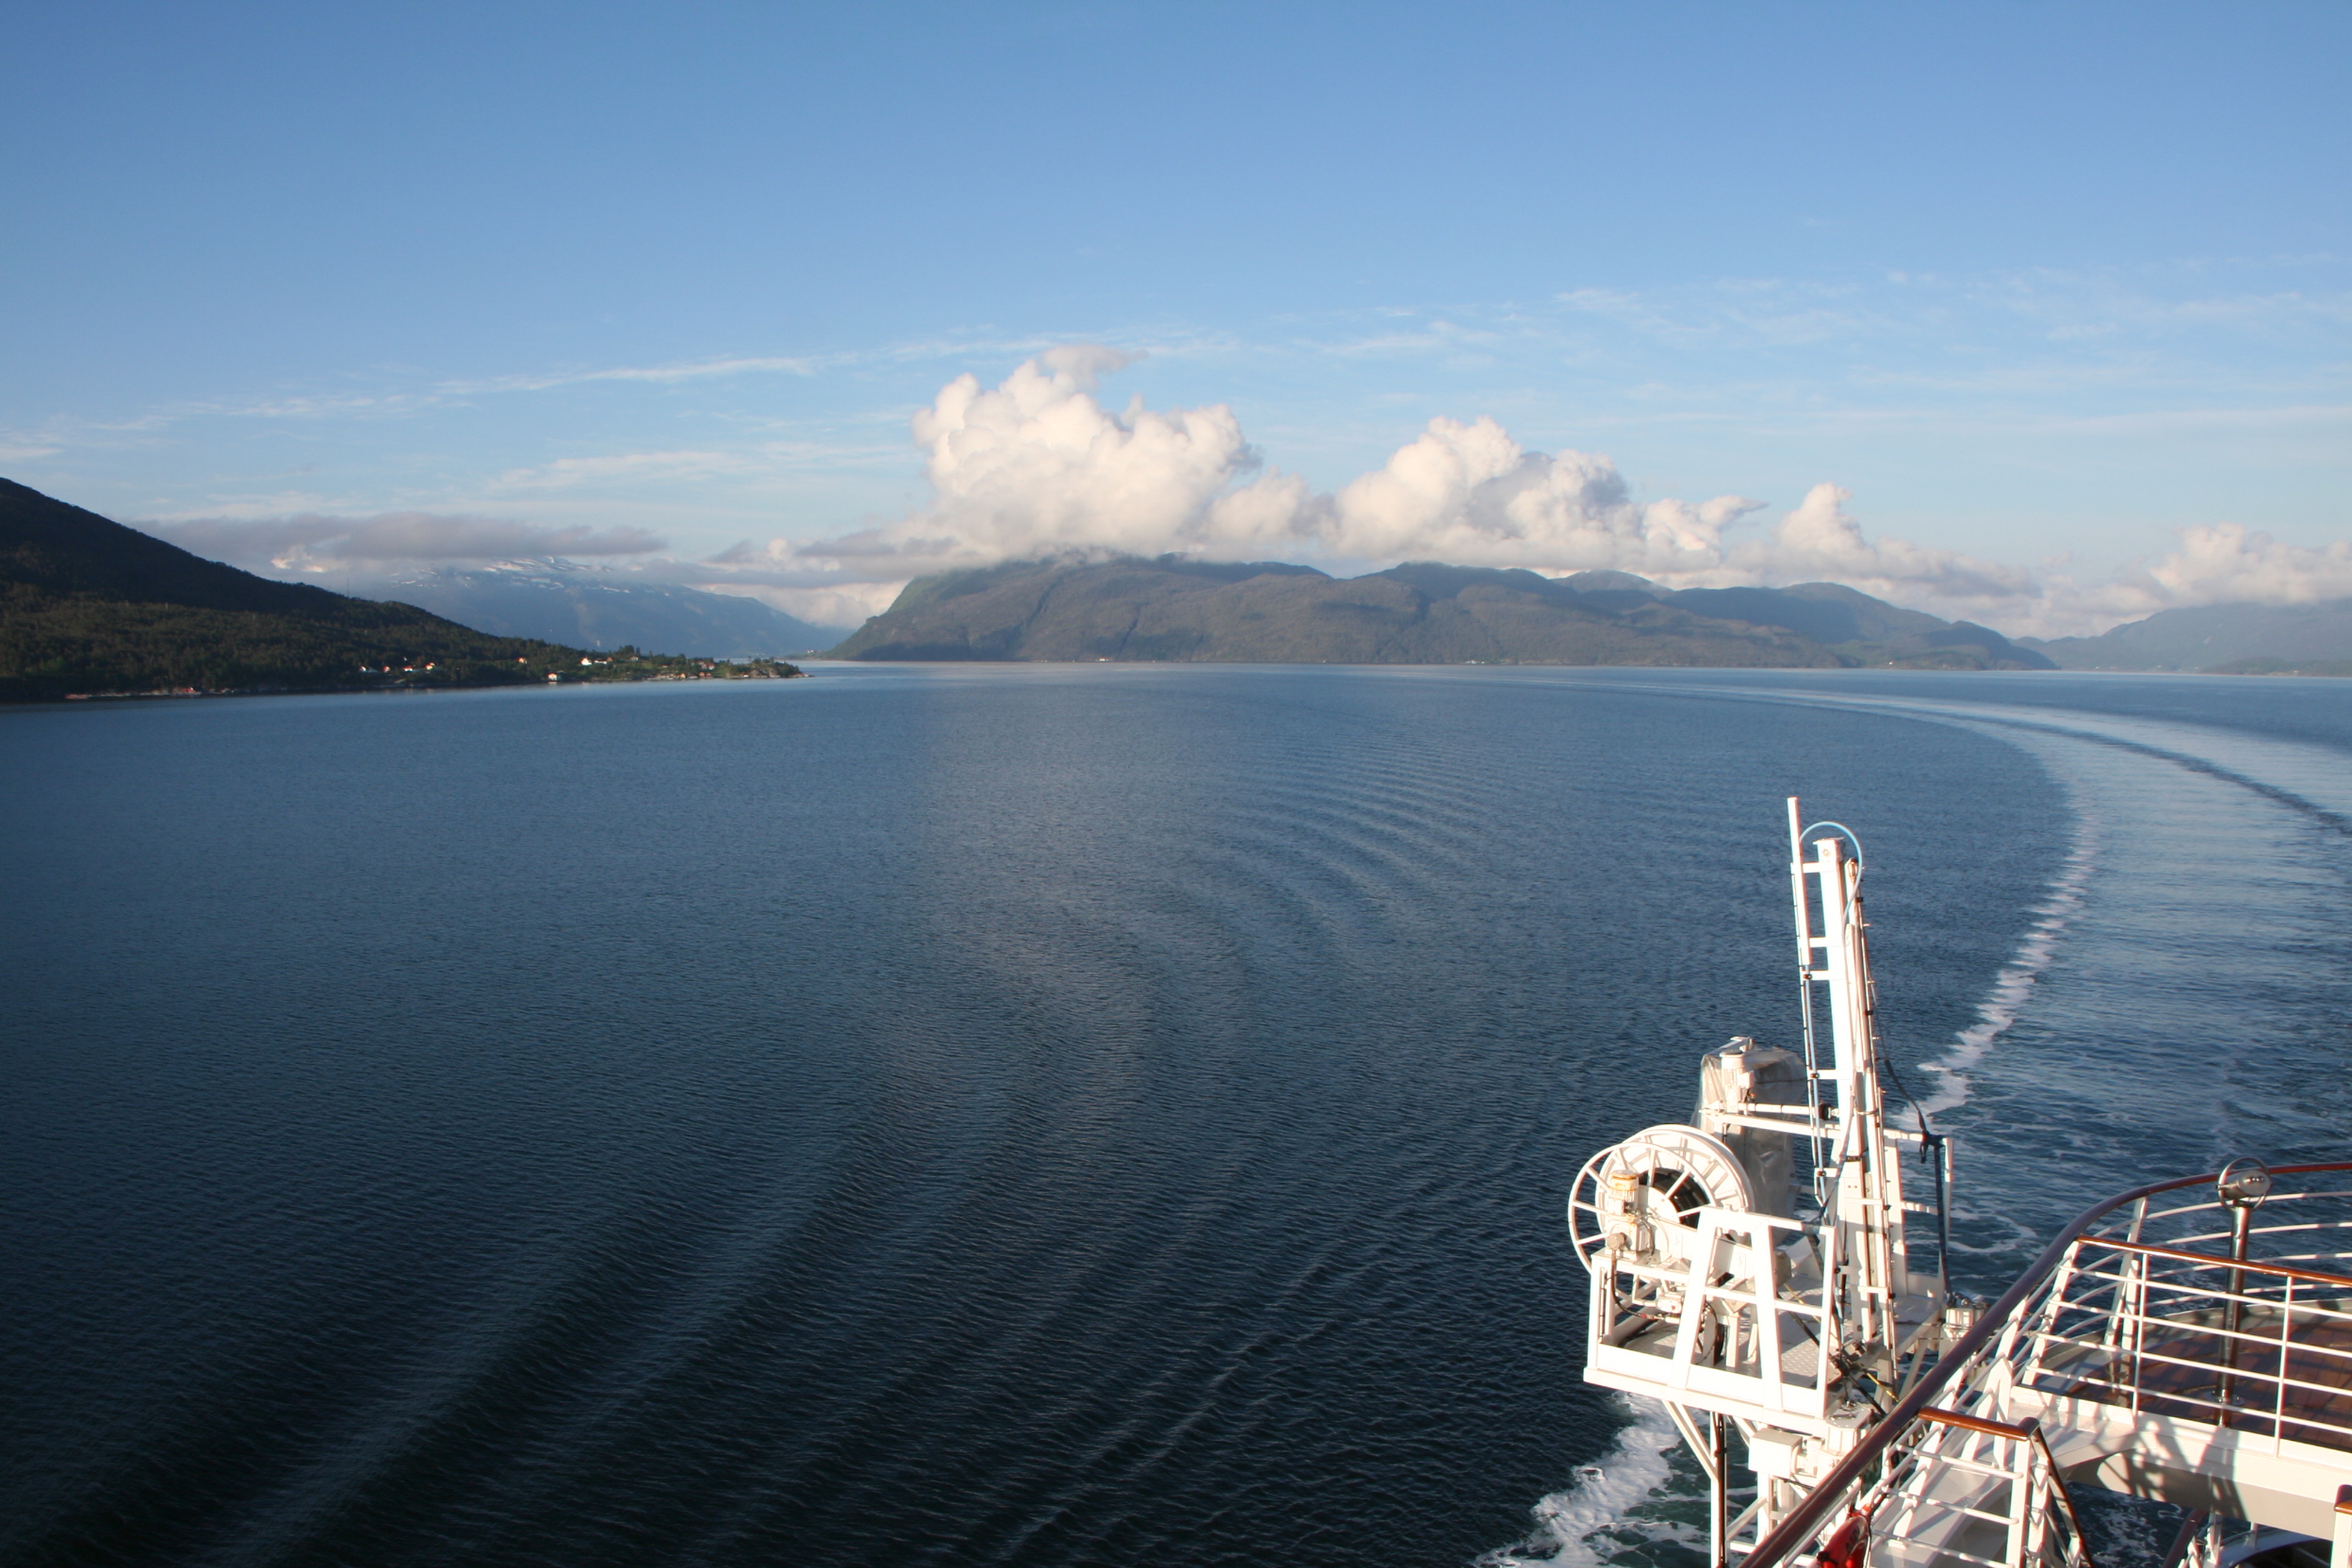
565, 472
2230, 562
1819, 541
1038, 466
1469, 494
2217, 564
699, 369
311, 542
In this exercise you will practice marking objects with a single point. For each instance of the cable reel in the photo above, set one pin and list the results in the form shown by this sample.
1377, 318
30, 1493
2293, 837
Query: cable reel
1640, 1199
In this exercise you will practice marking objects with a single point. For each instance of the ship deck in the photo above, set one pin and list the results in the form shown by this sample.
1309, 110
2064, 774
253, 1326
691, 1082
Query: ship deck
2292, 1378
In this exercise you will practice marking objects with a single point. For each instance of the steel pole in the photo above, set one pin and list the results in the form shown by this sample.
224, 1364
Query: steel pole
1719, 1496
2233, 1311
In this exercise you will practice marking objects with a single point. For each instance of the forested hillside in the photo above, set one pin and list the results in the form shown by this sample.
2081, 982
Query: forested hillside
88, 606
1418, 613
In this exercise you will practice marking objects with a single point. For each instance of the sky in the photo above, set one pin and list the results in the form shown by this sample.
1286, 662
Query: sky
2036, 313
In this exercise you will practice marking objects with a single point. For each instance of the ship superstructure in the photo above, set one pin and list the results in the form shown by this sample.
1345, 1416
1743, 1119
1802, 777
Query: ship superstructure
1752, 1270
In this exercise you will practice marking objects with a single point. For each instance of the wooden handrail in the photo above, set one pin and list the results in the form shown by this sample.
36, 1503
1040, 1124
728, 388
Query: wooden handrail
1973, 1423
2248, 1265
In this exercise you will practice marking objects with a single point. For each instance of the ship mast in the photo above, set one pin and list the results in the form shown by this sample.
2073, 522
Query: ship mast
1738, 1288
1856, 1179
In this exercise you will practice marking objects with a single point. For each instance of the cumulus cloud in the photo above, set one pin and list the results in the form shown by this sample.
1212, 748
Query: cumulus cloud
2215, 563
1818, 540
2228, 561
1038, 465
315, 542
1469, 494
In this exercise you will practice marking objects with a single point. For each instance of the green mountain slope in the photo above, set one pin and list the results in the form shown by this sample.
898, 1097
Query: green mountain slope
88, 606
1422, 613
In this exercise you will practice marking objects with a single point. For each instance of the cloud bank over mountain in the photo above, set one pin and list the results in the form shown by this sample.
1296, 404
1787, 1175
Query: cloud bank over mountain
365, 556
311, 542
1039, 466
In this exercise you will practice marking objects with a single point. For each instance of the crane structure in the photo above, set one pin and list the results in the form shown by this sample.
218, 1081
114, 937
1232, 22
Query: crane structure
1752, 1270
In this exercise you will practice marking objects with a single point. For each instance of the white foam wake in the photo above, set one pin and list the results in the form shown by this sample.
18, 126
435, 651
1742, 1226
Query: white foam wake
2015, 981
1604, 1498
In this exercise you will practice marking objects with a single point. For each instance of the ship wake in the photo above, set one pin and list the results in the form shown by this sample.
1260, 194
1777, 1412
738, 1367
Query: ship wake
2014, 986
1636, 1504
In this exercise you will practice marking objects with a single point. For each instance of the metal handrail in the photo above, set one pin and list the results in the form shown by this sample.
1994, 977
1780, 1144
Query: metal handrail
1800, 1522
2194, 1342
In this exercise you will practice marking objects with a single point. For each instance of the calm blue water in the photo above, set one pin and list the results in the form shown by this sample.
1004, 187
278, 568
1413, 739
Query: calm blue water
1028, 1114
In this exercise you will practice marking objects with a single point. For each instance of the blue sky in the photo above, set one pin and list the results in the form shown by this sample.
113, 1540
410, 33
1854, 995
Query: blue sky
2038, 286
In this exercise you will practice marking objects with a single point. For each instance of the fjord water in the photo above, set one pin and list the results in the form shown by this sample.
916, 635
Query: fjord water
1032, 1114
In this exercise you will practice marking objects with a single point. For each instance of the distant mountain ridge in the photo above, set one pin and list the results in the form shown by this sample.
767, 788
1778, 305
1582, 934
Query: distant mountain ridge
1176, 609
596, 607
2222, 638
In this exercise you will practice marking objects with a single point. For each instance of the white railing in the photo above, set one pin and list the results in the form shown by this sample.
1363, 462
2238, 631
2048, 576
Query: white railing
2261, 1348
1716, 1325
2154, 1310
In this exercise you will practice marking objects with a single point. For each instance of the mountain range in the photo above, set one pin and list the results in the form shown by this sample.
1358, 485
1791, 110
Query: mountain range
596, 607
1173, 607
88, 605
2225, 639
